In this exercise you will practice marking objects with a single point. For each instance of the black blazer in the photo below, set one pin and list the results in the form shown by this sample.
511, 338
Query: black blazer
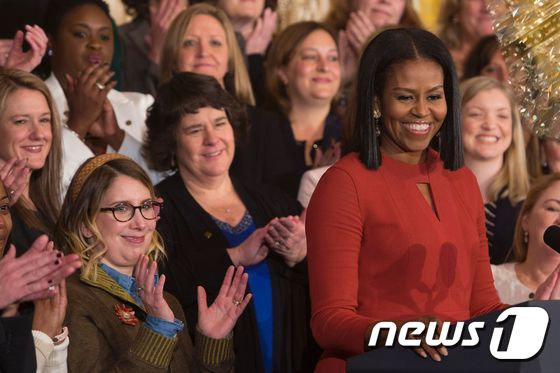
265, 156
196, 255
17, 351
271, 154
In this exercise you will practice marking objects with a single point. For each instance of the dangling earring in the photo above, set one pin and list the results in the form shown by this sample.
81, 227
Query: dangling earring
49, 52
376, 118
525, 237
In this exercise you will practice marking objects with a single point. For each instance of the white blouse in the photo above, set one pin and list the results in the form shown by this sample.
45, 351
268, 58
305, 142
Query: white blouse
510, 289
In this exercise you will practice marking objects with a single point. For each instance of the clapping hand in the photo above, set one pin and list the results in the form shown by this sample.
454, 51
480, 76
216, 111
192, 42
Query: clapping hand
106, 127
251, 251
86, 95
14, 174
152, 295
50, 312
286, 236
35, 274
260, 37
359, 29
13, 55
162, 13
329, 157
218, 320
550, 288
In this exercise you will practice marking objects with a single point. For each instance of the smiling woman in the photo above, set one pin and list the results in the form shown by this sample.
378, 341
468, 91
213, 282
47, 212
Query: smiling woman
30, 155
401, 225
494, 151
118, 314
96, 118
213, 219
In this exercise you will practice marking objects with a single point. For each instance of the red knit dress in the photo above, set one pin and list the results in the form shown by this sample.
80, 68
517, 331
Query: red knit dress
377, 251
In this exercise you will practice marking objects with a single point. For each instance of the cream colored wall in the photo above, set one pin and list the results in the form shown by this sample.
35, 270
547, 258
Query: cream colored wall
428, 11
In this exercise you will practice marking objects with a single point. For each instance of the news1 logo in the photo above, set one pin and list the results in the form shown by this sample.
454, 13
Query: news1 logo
527, 336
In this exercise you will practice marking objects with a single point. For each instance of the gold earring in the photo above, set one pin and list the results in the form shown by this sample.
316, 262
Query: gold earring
376, 114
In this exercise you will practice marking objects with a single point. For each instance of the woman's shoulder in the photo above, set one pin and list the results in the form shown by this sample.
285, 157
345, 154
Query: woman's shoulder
170, 185
463, 178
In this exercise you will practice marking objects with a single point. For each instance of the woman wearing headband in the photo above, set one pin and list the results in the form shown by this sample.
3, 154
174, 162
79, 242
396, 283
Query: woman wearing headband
118, 314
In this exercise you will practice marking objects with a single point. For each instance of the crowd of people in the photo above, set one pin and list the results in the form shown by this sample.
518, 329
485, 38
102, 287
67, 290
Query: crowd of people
201, 189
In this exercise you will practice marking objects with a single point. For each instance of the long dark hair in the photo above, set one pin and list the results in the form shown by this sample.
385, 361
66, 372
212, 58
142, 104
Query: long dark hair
391, 47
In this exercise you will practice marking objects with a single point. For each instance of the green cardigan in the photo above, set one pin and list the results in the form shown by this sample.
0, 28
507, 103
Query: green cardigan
101, 342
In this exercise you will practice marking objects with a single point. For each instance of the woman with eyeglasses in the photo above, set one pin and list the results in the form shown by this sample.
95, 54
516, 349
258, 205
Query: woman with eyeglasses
118, 314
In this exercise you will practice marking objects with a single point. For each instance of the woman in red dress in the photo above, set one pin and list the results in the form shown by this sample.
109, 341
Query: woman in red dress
395, 230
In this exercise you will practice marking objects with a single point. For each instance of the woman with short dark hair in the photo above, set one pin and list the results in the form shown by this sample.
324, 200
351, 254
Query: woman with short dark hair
213, 220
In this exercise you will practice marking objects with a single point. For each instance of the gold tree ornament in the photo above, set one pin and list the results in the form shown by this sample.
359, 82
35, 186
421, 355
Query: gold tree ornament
529, 34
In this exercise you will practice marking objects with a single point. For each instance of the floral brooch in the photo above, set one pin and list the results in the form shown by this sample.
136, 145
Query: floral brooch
126, 314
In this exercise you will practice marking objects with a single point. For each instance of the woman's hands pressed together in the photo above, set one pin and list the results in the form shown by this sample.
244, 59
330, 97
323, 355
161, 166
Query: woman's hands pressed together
35, 274
50, 312
286, 236
218, 320
14, 174
152, 295
550, 288
86, 95
251, 251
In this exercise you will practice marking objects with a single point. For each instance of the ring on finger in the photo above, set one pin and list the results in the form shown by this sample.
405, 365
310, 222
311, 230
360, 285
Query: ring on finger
277, 244
100, 86
140, 288
11, 192
236, 302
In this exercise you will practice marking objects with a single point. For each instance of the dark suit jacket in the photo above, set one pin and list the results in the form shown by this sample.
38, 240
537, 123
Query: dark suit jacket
17, 351
272, 155
139, 73
265, 156
196, 255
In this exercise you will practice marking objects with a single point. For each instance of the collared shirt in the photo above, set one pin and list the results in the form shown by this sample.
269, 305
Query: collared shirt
166, 328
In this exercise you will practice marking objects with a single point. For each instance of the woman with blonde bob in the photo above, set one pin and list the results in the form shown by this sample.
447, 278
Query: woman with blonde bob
495, 152
118, 314
174, 45
534, 260
30, 155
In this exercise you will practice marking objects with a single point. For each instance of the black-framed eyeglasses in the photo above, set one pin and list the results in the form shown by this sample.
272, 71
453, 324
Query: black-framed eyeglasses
124, 211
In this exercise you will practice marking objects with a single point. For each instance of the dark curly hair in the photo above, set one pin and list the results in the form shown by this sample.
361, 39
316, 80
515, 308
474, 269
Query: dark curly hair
186, 93
57, 9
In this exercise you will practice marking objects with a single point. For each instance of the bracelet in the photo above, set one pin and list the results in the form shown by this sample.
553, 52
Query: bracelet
58, 339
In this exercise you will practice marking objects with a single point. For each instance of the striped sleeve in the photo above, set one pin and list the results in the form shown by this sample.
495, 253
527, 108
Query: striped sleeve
214, 352
153, 348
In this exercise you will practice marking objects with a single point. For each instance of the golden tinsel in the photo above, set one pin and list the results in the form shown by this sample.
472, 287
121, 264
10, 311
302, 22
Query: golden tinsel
529, 33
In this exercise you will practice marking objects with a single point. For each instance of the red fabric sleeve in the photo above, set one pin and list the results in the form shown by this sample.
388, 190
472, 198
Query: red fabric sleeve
334, 234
